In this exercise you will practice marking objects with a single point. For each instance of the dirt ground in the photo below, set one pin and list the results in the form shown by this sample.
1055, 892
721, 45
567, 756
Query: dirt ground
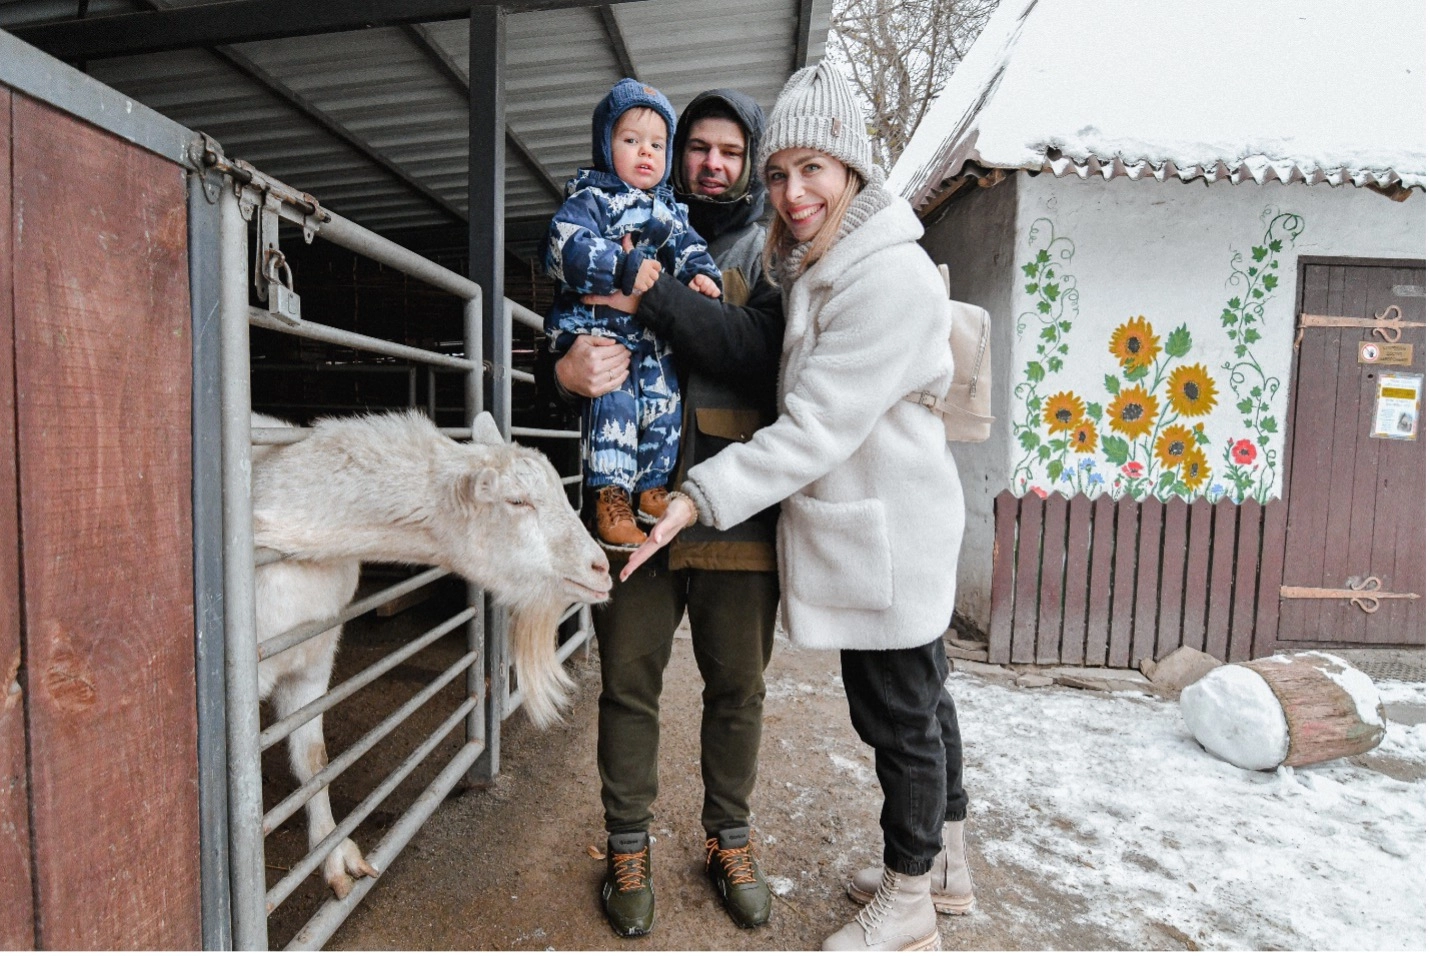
510, 867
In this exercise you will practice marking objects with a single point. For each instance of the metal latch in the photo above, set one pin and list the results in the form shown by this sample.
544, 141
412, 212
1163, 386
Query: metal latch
274, 277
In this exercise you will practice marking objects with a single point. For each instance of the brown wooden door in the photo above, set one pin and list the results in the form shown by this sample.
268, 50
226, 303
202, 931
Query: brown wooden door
17, 922
101, 439
1355, 503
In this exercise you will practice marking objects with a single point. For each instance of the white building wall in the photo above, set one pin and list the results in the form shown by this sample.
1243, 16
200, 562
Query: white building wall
1204, 277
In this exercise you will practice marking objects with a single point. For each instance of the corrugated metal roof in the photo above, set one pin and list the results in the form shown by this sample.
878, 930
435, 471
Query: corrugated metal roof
1305, 91
386, 93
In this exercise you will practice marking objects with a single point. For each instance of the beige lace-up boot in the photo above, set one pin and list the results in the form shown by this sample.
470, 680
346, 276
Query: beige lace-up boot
899, 918
951, 885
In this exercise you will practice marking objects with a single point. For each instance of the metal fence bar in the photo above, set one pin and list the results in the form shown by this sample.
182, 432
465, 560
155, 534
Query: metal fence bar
278, 730
304, 632
478, 727
205, 280
290, 804
528, 318
322, 926
517, 432
305, 867
355, 238
245, 784
304, 329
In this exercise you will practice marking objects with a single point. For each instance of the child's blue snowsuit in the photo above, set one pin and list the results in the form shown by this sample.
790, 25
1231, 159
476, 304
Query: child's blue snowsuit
631, 436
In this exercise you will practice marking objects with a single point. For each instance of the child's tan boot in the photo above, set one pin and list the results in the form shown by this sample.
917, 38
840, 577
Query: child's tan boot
615, 523
651, 505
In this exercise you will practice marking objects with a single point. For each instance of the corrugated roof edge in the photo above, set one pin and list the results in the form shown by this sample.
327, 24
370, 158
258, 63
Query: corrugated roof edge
1257, 169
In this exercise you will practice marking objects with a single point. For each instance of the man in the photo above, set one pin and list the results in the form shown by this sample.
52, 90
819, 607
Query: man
727, 353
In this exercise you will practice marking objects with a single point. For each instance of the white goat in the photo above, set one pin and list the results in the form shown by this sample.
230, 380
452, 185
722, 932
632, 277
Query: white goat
393, 488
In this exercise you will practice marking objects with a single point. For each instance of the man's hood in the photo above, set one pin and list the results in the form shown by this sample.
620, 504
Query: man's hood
714, 216
627, 95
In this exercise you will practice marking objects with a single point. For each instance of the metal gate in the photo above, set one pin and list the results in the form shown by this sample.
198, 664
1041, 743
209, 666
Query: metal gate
242, 195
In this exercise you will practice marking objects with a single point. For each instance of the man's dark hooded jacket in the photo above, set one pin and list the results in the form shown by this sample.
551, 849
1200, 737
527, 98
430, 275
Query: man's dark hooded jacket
727, 351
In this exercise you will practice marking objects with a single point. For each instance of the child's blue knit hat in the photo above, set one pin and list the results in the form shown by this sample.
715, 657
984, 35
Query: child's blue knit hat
626, 95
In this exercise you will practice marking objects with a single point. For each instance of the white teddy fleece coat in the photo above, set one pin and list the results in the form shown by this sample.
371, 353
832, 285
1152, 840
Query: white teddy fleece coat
872, 518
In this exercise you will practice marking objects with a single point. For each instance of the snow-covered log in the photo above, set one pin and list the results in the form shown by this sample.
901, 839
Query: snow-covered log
1287, 710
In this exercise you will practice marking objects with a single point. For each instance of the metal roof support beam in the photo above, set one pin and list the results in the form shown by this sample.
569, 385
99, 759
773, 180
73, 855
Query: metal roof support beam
336, 129
486, 265
618, 41
803, 21
422, 39
246, 21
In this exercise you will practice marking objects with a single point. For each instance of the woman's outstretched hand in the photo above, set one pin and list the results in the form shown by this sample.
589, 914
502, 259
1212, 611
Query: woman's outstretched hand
678, 517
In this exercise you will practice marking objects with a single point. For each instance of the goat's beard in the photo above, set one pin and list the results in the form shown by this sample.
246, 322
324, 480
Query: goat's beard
539, 674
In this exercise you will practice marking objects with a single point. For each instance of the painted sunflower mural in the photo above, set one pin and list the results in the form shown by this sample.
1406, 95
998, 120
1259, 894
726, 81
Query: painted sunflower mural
1151, 433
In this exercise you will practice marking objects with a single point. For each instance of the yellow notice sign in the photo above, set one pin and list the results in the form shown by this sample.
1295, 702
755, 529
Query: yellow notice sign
1386, 353
1397, 406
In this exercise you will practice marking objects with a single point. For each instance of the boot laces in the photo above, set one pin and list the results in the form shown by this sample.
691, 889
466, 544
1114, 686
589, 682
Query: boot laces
629, 870
618, 502
878, 908
737, 862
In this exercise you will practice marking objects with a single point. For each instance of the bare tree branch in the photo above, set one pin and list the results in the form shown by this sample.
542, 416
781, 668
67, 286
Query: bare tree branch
899, 54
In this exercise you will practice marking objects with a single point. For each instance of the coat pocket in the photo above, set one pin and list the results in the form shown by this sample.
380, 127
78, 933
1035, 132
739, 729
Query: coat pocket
838, 553
731, 424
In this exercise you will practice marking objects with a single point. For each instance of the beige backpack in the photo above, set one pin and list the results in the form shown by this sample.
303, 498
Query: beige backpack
967, 405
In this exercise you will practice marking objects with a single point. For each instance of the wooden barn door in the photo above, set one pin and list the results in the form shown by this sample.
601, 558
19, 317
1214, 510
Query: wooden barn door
17, 923
1355, 502
98, 718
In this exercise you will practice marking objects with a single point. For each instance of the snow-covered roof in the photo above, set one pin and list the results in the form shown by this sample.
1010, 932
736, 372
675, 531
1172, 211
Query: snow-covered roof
1302, 90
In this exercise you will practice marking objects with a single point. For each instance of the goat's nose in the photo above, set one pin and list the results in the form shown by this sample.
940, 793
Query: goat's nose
601, 565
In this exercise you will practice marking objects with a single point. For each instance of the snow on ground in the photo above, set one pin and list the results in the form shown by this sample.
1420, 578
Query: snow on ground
1111, 799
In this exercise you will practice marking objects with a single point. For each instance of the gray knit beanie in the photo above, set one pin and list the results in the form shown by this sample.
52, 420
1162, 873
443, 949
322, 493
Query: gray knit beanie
817, 110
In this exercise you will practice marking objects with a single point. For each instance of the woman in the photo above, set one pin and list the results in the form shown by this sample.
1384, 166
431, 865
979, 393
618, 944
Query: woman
872, 513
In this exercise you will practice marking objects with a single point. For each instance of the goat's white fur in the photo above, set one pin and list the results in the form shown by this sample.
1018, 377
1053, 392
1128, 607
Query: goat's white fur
393, 488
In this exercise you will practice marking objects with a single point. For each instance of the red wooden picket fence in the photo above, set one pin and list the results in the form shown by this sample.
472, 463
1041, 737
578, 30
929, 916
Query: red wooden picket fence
1100, 582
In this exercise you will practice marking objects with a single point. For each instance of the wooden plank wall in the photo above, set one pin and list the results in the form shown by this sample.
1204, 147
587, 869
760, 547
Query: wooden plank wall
103, 384
17, 920
1106, 583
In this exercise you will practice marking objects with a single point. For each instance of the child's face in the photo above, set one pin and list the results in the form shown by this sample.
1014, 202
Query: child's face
638, 148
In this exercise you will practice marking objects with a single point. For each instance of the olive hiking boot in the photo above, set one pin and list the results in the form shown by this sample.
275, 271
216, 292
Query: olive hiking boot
651, 505
950, 884
737, 877
627, 894
615, 522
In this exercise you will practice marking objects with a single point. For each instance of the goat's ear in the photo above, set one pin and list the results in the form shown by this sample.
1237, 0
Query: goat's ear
485, 430
477, 487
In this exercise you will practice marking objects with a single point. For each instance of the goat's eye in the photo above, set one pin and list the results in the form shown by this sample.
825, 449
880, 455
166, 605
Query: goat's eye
519, 503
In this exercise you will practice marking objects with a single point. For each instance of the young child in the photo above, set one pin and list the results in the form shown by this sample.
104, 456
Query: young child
631, 435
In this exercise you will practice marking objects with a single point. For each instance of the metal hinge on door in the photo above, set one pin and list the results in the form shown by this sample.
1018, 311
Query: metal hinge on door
1386, 324
1365, 594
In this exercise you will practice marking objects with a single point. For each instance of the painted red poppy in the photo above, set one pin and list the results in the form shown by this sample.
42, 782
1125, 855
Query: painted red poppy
1133, 469
1243, 452
1039, 492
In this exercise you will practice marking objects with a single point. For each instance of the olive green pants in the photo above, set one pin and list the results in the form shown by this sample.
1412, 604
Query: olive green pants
732, 624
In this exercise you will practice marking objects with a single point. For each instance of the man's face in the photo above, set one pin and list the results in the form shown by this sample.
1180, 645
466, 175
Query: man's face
714, 156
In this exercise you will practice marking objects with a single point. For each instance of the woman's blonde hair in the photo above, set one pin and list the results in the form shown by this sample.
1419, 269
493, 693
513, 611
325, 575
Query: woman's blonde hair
780, 240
